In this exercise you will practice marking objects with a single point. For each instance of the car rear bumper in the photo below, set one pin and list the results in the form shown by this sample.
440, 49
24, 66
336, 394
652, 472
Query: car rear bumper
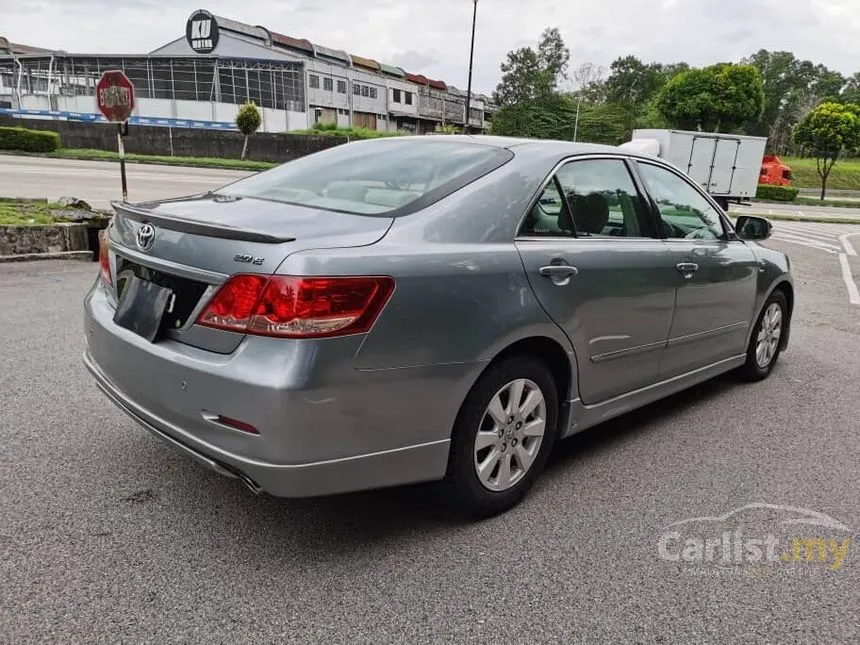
314, 439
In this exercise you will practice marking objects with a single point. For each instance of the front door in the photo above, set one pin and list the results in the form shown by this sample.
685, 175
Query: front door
716, 277
595, 261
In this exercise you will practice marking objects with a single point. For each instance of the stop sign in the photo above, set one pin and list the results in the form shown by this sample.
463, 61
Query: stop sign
115, 96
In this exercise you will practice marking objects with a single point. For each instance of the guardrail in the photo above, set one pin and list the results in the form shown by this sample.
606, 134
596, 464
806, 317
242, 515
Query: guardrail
56, 115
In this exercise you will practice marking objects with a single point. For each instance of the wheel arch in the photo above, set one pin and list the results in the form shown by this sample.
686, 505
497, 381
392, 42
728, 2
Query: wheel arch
788, 290
784, 285
560, 361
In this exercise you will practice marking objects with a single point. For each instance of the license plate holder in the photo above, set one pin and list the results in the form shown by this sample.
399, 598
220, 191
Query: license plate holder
142, 307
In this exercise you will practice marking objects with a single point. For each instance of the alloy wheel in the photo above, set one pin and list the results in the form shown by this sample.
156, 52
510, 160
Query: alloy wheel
769, 335
510, 434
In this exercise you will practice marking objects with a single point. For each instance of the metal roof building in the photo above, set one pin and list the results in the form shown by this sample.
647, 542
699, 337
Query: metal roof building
200, 79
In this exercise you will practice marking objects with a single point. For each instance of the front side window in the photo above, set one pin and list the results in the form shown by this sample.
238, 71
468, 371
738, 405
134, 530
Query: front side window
370, 178
684, 212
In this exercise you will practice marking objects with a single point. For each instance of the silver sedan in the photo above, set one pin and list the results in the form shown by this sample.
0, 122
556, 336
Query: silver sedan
425, 308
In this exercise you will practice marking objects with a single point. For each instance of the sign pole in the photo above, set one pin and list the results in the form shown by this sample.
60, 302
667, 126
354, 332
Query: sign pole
121, 148
115, 100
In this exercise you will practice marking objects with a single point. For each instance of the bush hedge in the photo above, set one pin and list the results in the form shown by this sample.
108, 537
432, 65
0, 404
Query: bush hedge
776, 193
28, 140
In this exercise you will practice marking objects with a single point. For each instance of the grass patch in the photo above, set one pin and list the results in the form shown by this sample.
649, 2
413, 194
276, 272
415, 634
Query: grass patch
26, 212
197, 162
36, 212
844, 176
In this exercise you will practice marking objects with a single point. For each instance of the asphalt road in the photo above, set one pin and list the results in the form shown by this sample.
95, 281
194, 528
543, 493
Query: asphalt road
98, 182
107, 535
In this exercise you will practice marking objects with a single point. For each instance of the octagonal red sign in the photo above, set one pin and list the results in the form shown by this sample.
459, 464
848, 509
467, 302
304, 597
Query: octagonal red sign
115, 96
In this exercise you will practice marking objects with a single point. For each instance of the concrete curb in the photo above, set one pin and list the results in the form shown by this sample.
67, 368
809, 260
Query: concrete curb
62, 255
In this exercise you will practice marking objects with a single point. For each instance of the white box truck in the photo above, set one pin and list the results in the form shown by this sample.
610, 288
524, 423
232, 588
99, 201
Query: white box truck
726, 165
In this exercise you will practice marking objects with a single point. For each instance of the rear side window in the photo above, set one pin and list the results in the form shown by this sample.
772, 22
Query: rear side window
374, 178
590, 198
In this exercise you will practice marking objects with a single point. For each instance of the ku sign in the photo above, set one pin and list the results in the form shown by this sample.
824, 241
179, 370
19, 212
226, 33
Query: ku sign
201, 32
115, 96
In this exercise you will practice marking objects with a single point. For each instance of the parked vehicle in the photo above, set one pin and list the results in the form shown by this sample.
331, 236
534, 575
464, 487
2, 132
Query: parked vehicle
726, 166
774, 172
425, 308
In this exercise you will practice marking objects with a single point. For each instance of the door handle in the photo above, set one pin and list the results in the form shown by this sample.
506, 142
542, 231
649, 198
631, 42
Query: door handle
687, 268
558, 271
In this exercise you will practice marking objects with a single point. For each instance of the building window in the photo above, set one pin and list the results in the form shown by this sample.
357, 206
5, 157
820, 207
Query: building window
314, 81
373, 92
356, 89
327, 84
408, 98
341, 87
365, 90
396, 96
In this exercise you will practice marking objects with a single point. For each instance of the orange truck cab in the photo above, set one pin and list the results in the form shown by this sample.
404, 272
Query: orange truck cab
774, 172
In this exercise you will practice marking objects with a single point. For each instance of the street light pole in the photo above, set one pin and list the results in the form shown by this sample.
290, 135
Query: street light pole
471, 61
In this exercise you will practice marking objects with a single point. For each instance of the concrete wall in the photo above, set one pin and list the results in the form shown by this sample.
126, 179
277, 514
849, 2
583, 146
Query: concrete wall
190, 142
59, 238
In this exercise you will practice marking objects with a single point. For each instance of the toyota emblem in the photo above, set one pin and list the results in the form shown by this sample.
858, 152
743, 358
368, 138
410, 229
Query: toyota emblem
145, 237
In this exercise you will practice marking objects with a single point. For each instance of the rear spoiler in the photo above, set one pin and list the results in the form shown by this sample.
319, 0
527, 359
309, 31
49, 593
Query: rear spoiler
195, 227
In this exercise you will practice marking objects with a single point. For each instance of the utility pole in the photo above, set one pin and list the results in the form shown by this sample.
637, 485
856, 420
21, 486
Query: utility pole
471, 61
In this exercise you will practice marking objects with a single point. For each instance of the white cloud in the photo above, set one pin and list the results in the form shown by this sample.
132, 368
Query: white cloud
432, 36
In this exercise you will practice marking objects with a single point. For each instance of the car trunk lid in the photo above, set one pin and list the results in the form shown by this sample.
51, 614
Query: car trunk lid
193, 245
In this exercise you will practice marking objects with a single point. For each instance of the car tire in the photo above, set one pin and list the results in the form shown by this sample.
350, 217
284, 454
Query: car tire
514, 444
759, 367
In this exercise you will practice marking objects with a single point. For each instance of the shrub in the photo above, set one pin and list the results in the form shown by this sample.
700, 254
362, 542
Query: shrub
332, 130
248, 120
28, 140
776, 193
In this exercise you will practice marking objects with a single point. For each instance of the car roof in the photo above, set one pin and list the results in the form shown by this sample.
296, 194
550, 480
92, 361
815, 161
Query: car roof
551, 147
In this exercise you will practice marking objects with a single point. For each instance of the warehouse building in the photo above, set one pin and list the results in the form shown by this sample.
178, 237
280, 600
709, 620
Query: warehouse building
201, 78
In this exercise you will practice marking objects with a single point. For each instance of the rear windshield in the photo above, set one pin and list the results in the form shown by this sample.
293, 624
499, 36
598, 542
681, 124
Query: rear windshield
374, 177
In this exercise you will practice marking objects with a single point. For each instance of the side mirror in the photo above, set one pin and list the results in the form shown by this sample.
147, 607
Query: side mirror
750, 227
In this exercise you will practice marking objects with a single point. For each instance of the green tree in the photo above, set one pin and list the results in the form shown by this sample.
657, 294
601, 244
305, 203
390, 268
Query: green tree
632, 82
826, 133
717, 98
530, 75
792, 87
851, 91
248, 120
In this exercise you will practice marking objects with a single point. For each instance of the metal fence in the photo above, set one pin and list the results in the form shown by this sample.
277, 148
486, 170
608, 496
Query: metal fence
271, 84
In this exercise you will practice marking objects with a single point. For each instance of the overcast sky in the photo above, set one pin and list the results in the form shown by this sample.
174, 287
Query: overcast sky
431, 37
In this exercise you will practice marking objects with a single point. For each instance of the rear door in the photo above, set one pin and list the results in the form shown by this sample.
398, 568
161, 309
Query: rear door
701, 161
591, 253
725, 162
715, 276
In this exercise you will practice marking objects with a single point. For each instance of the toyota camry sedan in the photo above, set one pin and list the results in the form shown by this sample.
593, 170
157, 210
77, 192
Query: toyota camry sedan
420, 309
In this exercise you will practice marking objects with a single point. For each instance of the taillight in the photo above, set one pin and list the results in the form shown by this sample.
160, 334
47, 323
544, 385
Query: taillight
104, 258
297, 307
